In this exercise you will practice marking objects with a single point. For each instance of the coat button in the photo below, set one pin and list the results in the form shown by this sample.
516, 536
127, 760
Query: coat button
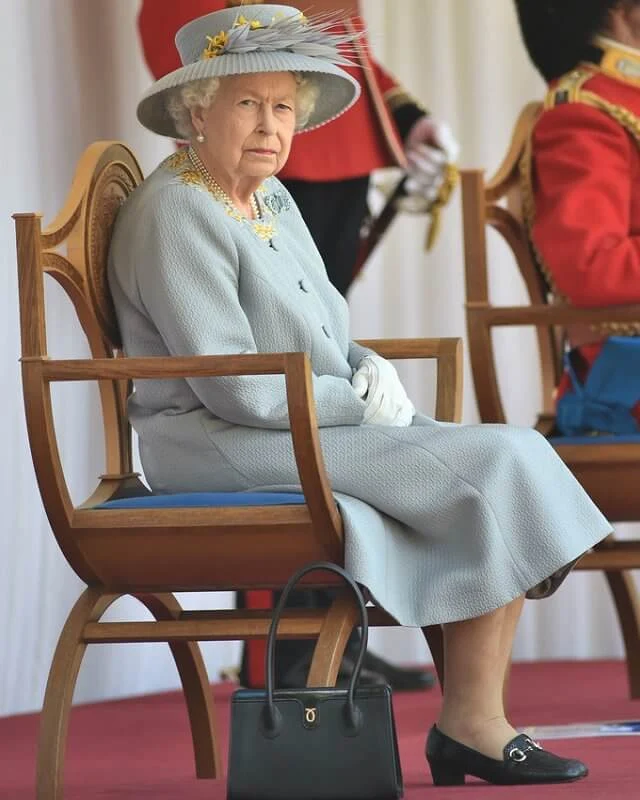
326, 332
303, 286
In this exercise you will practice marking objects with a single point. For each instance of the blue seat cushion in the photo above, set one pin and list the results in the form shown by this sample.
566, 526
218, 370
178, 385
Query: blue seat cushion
586, 439
207, 500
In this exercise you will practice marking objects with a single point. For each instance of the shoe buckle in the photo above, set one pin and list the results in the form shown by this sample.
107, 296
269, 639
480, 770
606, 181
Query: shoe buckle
516, 754
519, 754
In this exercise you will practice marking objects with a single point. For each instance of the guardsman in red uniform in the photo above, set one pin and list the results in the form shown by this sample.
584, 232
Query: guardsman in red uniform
328, 175
328, 172
584, 210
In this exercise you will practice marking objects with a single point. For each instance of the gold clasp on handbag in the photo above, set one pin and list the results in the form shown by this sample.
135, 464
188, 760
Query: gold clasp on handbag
310, 716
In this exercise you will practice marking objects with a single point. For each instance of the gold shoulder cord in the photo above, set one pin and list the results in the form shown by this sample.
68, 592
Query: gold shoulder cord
569, 90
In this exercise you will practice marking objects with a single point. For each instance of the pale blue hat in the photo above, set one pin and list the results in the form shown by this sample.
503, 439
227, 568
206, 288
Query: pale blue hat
257, 38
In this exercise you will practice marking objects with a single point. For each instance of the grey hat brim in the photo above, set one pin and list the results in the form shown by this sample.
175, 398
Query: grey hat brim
338, 90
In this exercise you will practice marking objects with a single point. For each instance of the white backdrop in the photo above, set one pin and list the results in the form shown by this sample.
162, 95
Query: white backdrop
72, 73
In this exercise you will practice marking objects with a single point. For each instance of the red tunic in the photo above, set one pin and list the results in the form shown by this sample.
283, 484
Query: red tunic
363, 139
586, 183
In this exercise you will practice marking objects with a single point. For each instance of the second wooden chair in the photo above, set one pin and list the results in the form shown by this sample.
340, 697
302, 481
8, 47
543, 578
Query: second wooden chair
609, 468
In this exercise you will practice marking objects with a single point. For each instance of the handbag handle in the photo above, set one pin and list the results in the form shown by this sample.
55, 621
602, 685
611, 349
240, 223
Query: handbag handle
353, 715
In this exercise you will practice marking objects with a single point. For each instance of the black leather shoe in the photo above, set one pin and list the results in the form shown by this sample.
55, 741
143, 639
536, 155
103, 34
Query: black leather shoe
296, 676
524, 762
399, 679
368, 677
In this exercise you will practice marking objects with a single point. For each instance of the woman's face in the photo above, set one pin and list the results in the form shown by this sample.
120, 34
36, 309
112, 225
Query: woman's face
249, 126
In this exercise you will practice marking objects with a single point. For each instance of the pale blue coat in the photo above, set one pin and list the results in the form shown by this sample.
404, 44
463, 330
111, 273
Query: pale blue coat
442, 521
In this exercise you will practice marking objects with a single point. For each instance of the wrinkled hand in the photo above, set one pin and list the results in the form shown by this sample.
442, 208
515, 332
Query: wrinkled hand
378, 384
429, 147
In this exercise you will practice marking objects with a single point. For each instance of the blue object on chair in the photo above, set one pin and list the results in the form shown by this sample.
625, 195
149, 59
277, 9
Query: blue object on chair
606, 399
206, 500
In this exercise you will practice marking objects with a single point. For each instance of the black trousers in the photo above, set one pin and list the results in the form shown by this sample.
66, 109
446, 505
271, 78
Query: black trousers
334, 212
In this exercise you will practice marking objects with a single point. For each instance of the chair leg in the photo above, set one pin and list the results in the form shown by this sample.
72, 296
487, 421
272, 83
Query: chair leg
625, 598
334, 635
435, 641
54, 720
195, 685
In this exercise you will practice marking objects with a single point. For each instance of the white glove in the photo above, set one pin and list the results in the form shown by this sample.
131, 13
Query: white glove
378, 384
429, 147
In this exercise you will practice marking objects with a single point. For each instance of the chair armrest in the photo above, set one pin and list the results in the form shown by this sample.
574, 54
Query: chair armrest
296, 368
161, 367
543, 315
448, 355
482, 317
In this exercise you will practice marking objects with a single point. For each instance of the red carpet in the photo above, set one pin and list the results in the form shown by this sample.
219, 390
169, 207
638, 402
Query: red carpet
140, 748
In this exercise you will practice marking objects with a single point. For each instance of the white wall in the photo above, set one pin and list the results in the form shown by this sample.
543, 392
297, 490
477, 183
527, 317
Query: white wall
72, 73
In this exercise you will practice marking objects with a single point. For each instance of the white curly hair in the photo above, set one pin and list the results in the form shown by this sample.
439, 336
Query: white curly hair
200, 93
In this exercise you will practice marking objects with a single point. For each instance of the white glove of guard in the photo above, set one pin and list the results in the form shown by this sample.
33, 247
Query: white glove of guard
378, 384
430, 146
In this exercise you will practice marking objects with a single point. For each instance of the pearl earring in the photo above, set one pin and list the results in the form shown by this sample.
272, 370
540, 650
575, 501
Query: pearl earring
200, 138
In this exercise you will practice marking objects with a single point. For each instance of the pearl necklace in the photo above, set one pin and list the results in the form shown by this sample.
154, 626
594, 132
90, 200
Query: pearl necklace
265, 230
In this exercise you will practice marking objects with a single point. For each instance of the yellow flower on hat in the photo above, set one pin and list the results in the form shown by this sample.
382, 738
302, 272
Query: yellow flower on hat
215, 45
253, 24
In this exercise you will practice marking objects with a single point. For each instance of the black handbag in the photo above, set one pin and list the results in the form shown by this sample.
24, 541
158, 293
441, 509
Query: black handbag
313, 744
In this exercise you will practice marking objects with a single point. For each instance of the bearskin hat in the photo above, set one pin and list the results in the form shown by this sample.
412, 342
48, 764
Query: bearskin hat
558, 33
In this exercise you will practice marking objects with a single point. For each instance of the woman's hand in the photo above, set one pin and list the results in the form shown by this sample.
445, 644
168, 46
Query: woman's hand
378, 384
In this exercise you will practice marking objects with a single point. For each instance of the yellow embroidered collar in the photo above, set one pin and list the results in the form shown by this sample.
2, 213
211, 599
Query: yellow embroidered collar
618, 60
193, 173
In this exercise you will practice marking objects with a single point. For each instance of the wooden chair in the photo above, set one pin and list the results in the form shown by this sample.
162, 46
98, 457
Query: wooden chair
609, 470
150, 553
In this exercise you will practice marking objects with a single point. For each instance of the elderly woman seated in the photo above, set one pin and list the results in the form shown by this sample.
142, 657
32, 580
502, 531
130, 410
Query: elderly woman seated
445, 524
